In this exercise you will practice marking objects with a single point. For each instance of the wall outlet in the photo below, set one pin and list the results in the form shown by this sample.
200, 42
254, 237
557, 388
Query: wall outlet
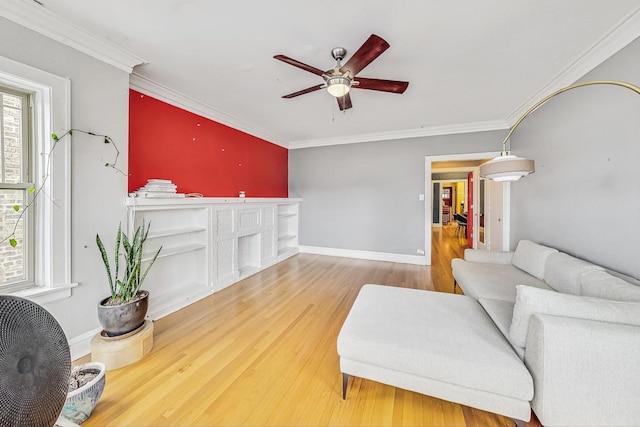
420, 251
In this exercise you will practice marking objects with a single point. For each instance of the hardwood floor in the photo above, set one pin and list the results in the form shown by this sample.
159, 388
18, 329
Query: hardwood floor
263, 352
446, 244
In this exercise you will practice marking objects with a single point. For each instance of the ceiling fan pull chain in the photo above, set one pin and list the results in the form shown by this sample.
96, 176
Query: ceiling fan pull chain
333, 113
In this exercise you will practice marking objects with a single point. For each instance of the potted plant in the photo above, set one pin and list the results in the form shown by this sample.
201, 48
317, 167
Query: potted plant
86, 384
125, 309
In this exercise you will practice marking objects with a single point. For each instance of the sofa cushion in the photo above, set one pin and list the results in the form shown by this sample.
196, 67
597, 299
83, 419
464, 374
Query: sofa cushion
624, 277
562, 272
495, 281
501, 313
491, 257
601, 284
531, 301
532, 257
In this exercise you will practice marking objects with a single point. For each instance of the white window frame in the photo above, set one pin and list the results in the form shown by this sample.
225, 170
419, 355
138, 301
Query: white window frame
26, 182
51, 114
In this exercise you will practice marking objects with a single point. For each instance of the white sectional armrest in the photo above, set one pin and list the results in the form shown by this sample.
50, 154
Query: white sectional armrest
487, 257
585, 372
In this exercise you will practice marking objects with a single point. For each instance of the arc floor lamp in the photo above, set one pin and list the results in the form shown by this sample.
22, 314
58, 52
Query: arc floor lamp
508, 167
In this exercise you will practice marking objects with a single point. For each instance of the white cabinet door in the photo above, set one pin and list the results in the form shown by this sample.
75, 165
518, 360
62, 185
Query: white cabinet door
249, 220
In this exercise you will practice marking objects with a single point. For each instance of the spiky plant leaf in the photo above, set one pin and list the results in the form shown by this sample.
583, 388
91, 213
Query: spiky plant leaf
105, 260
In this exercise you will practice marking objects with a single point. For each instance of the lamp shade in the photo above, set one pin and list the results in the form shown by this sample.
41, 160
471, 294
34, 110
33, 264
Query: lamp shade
338, 86
507, 168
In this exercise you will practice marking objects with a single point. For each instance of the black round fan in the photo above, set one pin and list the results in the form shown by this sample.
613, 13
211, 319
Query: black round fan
35, 364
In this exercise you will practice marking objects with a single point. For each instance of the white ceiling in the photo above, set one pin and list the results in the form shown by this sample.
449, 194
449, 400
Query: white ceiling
472, 65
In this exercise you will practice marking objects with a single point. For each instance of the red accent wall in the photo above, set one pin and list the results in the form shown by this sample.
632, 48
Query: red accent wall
200, 155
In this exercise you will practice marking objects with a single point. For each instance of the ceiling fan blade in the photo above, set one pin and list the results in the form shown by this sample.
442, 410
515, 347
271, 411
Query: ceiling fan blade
299, 64
303, 91
370, 50
344, 102
381, 85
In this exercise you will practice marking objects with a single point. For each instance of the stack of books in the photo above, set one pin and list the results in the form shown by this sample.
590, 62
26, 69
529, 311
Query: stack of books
158, 188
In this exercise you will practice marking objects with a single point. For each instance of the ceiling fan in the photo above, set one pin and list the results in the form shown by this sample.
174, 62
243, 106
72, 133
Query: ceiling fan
340, 79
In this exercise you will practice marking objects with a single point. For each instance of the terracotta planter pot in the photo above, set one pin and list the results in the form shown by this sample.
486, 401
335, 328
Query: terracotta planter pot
123, 318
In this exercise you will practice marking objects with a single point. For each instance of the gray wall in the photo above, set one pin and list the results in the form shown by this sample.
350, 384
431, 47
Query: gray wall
99, 103
365, 196
584, 197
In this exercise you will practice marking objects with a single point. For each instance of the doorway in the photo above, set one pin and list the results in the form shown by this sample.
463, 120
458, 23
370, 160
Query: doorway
497, 231
448, 199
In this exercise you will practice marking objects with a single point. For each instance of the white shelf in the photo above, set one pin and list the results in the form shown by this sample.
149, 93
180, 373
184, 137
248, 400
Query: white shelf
287, 229
247, 271
175, 232
181, 202
165, 252
287, 252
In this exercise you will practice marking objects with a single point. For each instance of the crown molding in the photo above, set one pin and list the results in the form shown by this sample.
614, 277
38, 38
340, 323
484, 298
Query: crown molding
403, 134
38, 18
170, 96
615, 40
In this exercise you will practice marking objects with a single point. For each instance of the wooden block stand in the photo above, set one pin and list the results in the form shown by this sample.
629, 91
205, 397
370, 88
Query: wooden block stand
118, 353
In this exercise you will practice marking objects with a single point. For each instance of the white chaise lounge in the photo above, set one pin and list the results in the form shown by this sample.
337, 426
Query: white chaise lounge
434, 343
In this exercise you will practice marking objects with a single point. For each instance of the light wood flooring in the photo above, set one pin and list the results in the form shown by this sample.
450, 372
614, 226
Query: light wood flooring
263, 352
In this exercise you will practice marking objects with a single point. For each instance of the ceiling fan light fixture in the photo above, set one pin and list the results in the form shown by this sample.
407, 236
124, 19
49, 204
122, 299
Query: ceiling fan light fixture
338, 86
340, 79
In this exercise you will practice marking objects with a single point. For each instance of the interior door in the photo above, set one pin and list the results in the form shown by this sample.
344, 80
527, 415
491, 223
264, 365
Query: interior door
435, 204
482, 209
470, 209
496, 213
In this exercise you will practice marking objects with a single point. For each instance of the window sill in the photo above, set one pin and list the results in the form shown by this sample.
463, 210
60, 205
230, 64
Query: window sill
41, 295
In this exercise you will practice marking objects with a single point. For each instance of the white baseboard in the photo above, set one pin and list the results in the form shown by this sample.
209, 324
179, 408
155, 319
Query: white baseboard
374, 256
81, 345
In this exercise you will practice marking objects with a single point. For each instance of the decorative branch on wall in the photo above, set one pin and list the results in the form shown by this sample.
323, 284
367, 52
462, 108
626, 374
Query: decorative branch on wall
11, 237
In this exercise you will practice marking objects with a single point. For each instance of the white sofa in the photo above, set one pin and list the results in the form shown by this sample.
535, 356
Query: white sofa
575, 325
536, 328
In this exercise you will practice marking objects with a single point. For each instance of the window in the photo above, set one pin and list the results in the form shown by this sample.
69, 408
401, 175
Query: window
35, 104
16, 263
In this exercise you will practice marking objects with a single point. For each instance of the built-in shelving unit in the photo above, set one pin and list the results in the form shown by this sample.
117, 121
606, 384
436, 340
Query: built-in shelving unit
287, 228
209, 244
182, 232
